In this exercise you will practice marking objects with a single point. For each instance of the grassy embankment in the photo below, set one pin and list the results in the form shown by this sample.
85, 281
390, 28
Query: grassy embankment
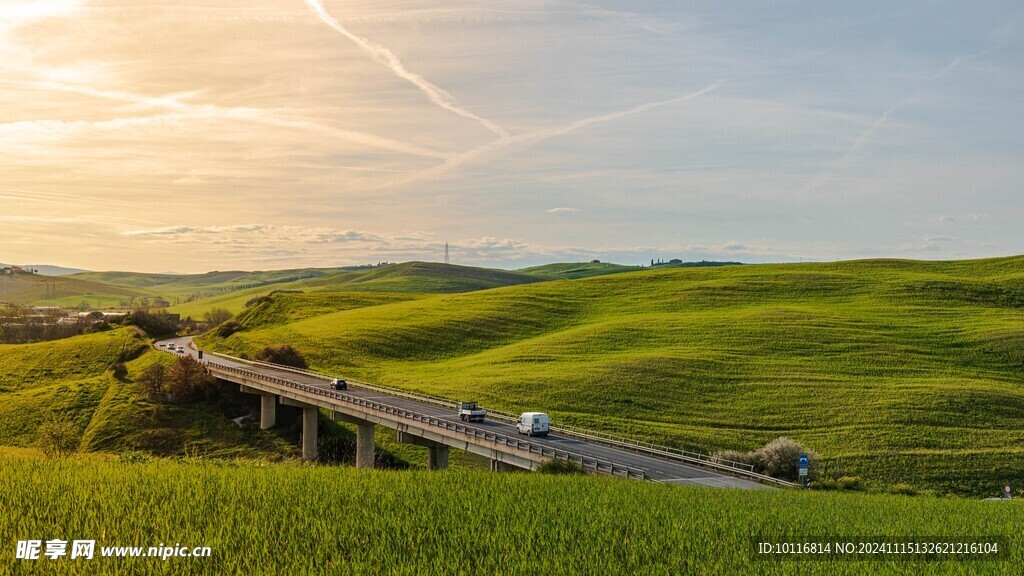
894, 371
287, 518
70, 380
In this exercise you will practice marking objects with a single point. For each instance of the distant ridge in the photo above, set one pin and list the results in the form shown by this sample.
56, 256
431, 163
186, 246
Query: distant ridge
47, 269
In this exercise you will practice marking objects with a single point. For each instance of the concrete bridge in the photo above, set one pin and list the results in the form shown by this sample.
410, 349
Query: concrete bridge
433, 423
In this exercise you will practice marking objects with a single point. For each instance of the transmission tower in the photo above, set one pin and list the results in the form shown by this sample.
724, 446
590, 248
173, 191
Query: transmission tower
446, 260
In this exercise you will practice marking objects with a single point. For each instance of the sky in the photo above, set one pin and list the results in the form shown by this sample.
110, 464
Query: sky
196, 135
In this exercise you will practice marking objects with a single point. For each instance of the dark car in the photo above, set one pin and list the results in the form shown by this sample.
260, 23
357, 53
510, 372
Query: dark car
339, 384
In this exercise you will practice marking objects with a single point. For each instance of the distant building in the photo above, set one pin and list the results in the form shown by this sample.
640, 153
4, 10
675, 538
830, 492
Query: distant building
11, 270
96, 314
675, 261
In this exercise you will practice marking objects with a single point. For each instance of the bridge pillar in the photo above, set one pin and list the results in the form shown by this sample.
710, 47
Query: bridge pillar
268, 406
364, 438
310, 419
437, 457
364, 445
268, 411
437, 453
499, 466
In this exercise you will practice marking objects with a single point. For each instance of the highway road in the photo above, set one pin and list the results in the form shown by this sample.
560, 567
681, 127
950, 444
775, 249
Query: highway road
666, 471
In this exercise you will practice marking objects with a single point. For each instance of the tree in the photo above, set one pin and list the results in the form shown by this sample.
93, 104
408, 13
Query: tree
154, 377
284, 354
188, 378
153, 324
57, 438
216, 316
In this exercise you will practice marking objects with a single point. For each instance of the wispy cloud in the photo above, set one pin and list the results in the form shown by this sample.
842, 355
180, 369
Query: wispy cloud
632, 19
946, 220
185, 110
359, 131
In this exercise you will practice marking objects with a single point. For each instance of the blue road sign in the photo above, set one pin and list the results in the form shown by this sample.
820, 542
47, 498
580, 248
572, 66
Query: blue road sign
804, 461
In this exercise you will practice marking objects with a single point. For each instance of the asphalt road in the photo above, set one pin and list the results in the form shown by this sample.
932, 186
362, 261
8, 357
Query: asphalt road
657, 469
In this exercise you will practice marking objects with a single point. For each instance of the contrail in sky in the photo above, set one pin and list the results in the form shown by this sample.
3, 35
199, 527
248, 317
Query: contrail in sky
388, 58
542, 134
865, 137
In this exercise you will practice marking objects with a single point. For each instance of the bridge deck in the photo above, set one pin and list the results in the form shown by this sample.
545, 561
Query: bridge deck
654, 468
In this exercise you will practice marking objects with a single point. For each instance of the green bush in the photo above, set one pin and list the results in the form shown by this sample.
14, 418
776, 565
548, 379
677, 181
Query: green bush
228, 328
903, 488
560, 467
779, 458
284, 354
120, 370
57, 438
850, 483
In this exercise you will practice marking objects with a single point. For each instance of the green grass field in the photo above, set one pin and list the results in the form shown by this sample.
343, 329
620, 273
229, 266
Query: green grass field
288, 518
894, 371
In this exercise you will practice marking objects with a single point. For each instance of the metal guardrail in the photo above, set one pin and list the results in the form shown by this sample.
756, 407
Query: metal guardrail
640, 446
424, 398
587, 462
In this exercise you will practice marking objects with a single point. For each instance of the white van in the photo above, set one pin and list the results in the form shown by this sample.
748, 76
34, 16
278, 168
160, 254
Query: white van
533, 423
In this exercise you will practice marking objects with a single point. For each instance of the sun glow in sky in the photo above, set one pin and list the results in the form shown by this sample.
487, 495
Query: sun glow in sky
191, 135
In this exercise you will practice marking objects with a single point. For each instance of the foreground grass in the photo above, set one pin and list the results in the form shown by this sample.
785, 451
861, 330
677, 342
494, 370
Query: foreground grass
277, 519
894, 371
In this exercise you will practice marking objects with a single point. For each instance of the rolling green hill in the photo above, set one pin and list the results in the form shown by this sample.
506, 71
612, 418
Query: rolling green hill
178, 287
194, 294
420, 277
573, 270
896, 371
407, 278
69, 379
69, 291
